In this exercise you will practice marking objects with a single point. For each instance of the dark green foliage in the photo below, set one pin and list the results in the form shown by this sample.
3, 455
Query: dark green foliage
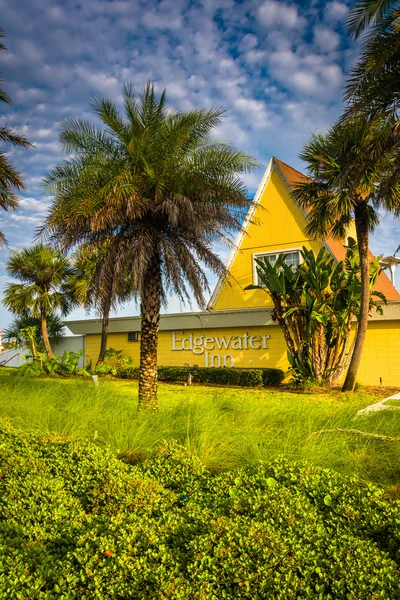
228, 376
272, 377
373, 86
217, 375
78, 523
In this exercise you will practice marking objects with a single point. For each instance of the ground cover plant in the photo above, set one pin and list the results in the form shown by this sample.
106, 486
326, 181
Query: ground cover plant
223, 427
78, 523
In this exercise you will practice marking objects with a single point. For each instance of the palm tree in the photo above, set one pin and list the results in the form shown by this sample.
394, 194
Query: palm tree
43, 273
97, 285
351, 170
10, 179
374, 84
153, 181
18, 328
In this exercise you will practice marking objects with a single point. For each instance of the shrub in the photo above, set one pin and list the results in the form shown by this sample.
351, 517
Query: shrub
172, 374
217, 375
272, 377
229, 376
78, 523
67, 364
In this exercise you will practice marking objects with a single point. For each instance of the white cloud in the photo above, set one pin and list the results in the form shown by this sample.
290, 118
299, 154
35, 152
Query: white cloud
335, 11
253, 57
44, 133
274, 13
24, 219
33, 205
254, 110
161, 21
248, 42
100, 81
306, 73
326, 39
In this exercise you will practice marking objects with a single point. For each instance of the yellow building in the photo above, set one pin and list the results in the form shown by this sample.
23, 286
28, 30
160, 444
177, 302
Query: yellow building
237, 328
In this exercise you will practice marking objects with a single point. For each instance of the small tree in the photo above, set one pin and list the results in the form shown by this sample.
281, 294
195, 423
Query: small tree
43, 273
97, 284
315, 306
17, 331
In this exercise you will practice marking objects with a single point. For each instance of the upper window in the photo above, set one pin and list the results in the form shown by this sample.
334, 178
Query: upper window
292, 258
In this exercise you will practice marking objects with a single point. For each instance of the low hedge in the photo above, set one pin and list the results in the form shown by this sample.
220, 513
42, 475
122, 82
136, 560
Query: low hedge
218, 375
78, 523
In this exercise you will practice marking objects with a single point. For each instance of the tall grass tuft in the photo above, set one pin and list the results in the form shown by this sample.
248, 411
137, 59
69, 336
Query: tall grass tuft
223, 427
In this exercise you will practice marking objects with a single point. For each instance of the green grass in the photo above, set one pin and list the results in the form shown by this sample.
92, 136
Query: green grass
224, 427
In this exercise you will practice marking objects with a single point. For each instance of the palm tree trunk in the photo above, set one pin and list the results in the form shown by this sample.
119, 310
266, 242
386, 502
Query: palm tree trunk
361, 222
104, 329
46, 336
150, 314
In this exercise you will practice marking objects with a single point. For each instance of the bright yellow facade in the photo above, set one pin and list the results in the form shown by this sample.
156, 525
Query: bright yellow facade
237, 330
277, 224
223, 351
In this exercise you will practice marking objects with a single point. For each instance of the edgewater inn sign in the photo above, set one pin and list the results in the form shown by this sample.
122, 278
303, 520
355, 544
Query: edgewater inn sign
209, 346
237, 329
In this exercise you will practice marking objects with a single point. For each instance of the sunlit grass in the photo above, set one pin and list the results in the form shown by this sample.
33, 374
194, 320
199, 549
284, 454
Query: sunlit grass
223, 427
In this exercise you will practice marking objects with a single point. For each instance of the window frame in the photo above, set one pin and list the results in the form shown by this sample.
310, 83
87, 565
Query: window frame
136, 334
277, 252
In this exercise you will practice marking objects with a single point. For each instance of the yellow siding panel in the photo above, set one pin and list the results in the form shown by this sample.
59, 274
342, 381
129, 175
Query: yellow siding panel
381, 357
278, 224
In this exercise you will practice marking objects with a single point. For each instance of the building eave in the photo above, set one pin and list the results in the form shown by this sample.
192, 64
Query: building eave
218, 319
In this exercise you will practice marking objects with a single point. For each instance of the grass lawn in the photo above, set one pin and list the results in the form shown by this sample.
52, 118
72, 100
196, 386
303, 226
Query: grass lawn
223, 427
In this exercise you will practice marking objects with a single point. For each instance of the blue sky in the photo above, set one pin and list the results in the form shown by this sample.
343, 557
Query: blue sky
277, 67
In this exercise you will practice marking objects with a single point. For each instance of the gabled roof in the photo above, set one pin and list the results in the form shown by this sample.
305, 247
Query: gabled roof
292, 177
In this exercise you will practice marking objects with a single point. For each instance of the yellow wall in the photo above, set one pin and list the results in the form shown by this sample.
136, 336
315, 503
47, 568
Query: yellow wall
278, 224
381, 356
273, 355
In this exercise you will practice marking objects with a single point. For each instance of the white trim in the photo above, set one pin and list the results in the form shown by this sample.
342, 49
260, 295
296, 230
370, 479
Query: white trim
277, 252
242, 232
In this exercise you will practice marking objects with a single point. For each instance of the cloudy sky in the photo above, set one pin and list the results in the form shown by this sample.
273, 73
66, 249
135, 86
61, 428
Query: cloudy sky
277, 67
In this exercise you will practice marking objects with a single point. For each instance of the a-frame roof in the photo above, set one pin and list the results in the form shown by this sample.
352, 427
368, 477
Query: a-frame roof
292, 177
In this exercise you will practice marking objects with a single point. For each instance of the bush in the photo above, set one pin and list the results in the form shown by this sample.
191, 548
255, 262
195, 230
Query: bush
172, 374
67, 364
229, 376
272, 377
78, 523
217, 375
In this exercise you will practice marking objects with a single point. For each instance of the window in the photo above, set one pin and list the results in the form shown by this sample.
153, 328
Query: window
133, 336
292, 259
